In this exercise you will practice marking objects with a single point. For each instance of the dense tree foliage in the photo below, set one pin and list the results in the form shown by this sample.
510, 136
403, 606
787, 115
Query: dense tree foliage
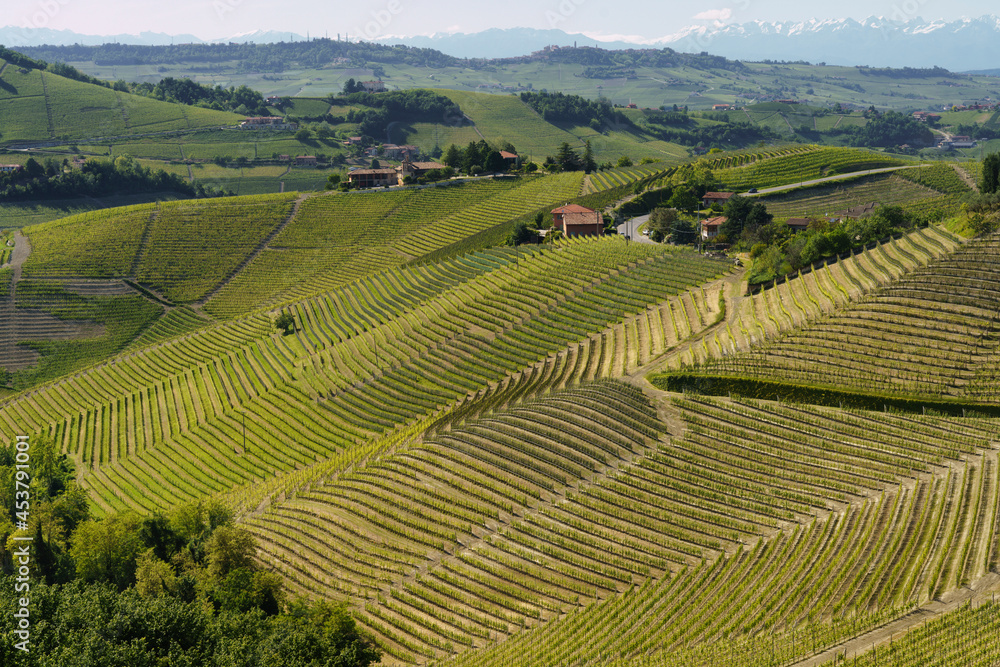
56, 180
776, 250
241, 100
890, 129
990, 180
406, 106
575, 110
95, 625
132, 591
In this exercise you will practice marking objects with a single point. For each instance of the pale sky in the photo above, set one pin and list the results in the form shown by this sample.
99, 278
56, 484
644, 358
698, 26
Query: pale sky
373, 19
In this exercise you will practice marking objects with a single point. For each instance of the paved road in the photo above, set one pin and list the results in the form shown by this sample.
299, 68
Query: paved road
631, 228
838, 177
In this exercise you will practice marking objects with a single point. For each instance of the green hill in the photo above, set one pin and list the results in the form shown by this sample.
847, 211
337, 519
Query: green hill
38, 106
479, 448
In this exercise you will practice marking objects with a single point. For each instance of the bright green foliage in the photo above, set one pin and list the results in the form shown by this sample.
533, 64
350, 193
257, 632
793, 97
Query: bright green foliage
800, 166
193, 246
934, 331
101, 244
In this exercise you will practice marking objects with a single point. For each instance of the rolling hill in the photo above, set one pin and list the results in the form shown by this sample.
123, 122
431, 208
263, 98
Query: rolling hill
482, 448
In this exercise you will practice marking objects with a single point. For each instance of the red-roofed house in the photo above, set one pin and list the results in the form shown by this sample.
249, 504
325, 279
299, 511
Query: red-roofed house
716, 197
710, 227
798, 224
509, 158
576, 220
417, 169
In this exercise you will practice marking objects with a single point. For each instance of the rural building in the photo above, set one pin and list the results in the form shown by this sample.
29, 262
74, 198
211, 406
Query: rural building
926, 116
716, 198
962, 141
720, 107
510, 159
373, 178
373, 86
798, 224
9, 168
417, 169
710, 228
305, 161
266, 123
350, 141
576, 220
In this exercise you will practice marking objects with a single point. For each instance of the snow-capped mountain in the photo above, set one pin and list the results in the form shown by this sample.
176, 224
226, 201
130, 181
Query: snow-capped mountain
877, 41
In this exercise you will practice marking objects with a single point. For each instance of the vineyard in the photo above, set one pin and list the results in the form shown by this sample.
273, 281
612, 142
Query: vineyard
797, 165
916, 334
37, 105
479, 449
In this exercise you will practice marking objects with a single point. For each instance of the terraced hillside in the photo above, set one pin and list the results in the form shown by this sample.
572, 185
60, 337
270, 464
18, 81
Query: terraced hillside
348, 374
930, 332
467, 450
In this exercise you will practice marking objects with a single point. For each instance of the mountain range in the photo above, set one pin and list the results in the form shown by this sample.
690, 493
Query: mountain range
962, 45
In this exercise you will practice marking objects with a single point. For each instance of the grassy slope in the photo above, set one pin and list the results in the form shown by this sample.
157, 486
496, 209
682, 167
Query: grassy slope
40, 106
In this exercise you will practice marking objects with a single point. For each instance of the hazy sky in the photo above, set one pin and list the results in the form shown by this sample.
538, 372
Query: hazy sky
649, 19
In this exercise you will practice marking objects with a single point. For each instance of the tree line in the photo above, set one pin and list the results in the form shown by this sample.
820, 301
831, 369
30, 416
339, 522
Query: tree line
182, 588
51, 179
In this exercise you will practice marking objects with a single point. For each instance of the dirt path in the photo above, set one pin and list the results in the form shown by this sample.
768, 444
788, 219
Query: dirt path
734, 296
8, 321
254, 254
966, 177
981, 591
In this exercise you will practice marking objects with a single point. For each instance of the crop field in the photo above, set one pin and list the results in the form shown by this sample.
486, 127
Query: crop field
544, 454
333, 239
798, 166
915, 335
37, 105
886, 189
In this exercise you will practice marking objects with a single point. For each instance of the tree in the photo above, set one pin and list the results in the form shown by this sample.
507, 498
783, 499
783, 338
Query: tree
522, 234
351, 86
106, 550
495, 162
684, 200
990, 181
375, 163
285, 323
624, 161
566, 158
332, 181
453, 157
589, 165
736, 210
303, 135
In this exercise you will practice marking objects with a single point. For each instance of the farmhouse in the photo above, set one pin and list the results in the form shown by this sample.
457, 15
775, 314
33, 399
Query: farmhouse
926, 116
798, 224
373, 178
710, 228
266, 123
373, 86
962, 141
576, 220
510, 159
720, 107
417, 169
716, 198
305, 161
9, 168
